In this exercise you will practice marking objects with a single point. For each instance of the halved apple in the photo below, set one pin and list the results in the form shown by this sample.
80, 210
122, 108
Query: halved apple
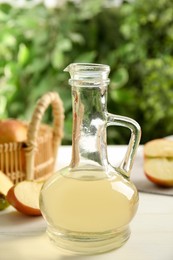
158, 161
24, 196
5, 185
159, 171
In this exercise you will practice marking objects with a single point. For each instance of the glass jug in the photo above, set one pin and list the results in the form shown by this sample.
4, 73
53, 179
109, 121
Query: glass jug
89, 204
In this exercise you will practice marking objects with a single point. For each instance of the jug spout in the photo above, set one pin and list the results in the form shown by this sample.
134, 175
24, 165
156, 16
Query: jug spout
67, 69
71, 68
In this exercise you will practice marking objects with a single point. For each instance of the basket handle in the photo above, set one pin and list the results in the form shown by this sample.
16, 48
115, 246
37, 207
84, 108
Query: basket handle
53, 99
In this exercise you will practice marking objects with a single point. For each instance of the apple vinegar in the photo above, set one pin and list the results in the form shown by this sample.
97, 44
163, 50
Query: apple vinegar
89, 206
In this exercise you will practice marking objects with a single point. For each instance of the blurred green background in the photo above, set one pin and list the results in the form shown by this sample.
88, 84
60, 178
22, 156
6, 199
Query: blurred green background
135, 39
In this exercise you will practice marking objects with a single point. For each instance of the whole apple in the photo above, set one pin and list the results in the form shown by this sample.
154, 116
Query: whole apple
12, 130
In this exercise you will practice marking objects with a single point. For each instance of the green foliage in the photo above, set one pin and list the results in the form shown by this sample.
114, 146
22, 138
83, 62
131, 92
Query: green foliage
135, 39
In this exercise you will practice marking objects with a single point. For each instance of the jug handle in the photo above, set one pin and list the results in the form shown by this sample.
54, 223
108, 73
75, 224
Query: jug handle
116, 120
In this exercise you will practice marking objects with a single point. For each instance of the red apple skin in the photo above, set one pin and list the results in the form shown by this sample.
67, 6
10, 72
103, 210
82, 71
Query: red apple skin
12, 200
159, 182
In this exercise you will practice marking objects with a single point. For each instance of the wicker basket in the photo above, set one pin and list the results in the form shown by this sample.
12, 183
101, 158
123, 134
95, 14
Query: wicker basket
35, 158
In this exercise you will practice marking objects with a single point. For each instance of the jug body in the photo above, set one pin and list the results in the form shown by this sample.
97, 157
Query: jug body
89, 204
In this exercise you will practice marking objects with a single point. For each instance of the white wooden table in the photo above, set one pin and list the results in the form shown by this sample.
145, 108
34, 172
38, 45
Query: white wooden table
151, 238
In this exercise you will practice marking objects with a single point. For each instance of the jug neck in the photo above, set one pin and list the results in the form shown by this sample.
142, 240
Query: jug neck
89, 97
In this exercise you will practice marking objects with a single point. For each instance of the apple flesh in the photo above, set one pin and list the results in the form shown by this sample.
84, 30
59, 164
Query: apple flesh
159, 148
5, 185
12, 130
158, 162
24, 196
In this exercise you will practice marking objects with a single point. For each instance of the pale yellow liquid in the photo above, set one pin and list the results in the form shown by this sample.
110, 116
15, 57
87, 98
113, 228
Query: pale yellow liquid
89, 206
